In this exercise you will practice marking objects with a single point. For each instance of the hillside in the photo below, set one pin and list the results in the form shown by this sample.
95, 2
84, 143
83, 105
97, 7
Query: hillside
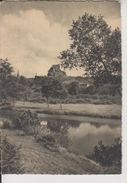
36, 159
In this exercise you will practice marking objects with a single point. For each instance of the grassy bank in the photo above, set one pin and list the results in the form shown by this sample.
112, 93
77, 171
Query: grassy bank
36, 159
31, 148
91, 110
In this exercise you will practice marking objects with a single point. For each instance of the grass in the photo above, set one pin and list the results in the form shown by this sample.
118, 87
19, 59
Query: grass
10, 158
45, 152
36, 159
92, 110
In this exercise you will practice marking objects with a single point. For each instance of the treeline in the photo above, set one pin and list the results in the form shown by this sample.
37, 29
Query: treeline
54, 88
12, 87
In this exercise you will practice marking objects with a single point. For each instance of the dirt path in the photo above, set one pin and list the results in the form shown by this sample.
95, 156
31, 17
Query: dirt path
37, 159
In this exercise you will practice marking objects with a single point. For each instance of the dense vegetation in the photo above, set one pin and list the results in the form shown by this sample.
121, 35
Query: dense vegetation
96, 49
54, 88
11, 159
54, 136
108, 156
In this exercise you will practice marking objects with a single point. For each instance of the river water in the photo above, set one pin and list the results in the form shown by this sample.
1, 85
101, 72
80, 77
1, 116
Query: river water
85, 132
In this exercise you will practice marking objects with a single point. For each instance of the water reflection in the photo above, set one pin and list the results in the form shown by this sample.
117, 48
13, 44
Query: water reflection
99, 125
56, 125
85, 134
10, 114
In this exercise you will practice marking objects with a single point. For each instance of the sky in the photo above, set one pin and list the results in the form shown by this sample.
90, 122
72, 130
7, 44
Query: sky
34, 33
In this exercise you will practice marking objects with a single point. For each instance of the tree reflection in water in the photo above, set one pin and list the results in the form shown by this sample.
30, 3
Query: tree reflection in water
61, 132
98, 125
57, 125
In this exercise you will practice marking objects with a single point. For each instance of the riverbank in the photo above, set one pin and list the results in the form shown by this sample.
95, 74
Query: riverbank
91, 110
36, 159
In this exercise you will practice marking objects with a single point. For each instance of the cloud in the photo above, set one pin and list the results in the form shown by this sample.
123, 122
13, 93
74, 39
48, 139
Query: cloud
85, 129
31, 43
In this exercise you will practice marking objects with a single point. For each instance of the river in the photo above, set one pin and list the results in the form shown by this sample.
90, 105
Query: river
85, 132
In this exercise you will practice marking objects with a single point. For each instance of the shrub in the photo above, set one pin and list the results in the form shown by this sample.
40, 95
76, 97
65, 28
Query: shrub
108, 156
6, 123
10, 160
62, 138
53, 140
28, 122
45, 135
96, 96
80, 101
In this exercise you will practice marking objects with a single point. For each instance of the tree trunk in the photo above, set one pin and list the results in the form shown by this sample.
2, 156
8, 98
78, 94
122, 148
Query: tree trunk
47, 103
4, 101
110, 76
60, 105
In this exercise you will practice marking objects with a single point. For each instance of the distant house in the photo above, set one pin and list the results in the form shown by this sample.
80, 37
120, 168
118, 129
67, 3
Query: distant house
38, 79
56, 72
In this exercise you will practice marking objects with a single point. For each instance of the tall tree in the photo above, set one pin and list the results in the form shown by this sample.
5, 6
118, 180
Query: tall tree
5, 73
52, 88
46, 88
58, 91
95, 47
73, 88
10, 87
14, 90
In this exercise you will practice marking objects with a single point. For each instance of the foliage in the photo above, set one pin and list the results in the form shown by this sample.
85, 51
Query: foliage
46, 137
89, 90
5, 69
11, 161
108, 156
51, 87
73, 88
14, 89
23, 81
5, 72
54, 139
28, 121
62, 138
10, 86
58, 91
6, 123
46, 88
95, 48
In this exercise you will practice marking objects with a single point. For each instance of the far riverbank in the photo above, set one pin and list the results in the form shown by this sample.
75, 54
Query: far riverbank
91, 110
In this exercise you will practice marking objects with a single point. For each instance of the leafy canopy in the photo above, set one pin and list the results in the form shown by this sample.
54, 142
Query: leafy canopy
94, 47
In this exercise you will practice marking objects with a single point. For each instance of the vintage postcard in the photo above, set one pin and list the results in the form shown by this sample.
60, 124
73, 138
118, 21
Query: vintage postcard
61, 88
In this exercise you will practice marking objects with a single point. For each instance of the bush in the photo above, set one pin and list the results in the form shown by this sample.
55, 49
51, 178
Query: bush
53, 140
10, 160
62, 138
96, 96
108, 156
28, 122
45, 136
6, 123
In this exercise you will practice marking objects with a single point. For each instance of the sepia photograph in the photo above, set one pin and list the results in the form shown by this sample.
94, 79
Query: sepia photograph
61, 88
